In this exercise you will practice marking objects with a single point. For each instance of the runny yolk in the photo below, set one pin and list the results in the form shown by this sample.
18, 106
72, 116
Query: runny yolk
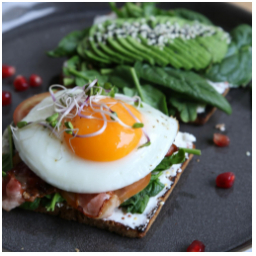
115, 142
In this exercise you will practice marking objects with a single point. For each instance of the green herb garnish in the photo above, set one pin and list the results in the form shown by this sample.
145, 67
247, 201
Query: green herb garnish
145, 145
21, 124
52, 118
137, 125
115, 114
69, 126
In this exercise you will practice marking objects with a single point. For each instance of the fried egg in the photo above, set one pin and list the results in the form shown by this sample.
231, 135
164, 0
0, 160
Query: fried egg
101, 163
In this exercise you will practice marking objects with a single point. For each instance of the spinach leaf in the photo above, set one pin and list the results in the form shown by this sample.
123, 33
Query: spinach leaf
236, 67
76, 71
138, 202
6, 163
67, 46
187, 109
31, 205
242, 35
48, 201
135, 10
149, 9
186, 82
121, 77
190, 15
151, 95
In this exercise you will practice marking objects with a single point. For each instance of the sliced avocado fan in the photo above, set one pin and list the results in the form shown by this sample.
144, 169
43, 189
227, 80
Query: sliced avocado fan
156, 40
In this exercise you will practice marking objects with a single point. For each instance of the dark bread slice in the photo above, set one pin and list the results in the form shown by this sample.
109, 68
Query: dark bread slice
70, 213
202, 118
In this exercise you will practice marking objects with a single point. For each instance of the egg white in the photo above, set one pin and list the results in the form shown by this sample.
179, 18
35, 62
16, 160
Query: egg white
56, 164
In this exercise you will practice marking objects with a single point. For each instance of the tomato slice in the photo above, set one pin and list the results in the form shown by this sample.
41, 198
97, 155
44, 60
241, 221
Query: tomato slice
25, 106
131, 190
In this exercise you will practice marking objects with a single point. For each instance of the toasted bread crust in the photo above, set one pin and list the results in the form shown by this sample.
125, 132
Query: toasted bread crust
70, 213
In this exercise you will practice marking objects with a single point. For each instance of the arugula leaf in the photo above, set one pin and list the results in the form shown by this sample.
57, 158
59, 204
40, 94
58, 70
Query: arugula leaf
186, 82
67, 46
168, 161
236, 67
56, 198
138, 202
187, 109
154, 187
31, 205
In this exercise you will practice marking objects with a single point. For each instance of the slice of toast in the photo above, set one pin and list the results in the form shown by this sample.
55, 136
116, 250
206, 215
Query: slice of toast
66, 212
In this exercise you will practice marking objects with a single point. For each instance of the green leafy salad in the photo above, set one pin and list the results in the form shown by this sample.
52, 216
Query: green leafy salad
164, 56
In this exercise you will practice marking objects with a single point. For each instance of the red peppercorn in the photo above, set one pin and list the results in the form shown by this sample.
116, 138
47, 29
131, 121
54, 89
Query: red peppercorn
196, 246
6, 98
220, 140
35, 80
20, 83
7, 71
225, 180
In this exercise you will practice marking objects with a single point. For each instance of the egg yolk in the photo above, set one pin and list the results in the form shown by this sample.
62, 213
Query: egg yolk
115, 142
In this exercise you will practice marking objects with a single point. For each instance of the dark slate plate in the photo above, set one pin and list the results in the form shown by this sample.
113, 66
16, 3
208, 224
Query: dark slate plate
222, 219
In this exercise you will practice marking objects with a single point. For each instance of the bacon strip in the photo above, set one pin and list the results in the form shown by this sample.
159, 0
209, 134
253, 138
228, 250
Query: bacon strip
22, 185
12, 194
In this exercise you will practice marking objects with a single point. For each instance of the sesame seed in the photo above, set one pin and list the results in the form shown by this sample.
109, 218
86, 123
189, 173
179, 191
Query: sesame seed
248, 153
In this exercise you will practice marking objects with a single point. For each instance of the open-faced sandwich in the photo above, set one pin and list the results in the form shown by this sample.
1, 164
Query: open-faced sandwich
90, 155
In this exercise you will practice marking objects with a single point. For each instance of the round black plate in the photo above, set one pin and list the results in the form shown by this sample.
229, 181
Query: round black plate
222, 219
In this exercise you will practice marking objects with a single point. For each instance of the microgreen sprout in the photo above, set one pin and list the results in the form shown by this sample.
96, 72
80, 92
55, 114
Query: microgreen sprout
145, 145
21, 124
137, 125
52, 118
115, 114
69, 126
54, 123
